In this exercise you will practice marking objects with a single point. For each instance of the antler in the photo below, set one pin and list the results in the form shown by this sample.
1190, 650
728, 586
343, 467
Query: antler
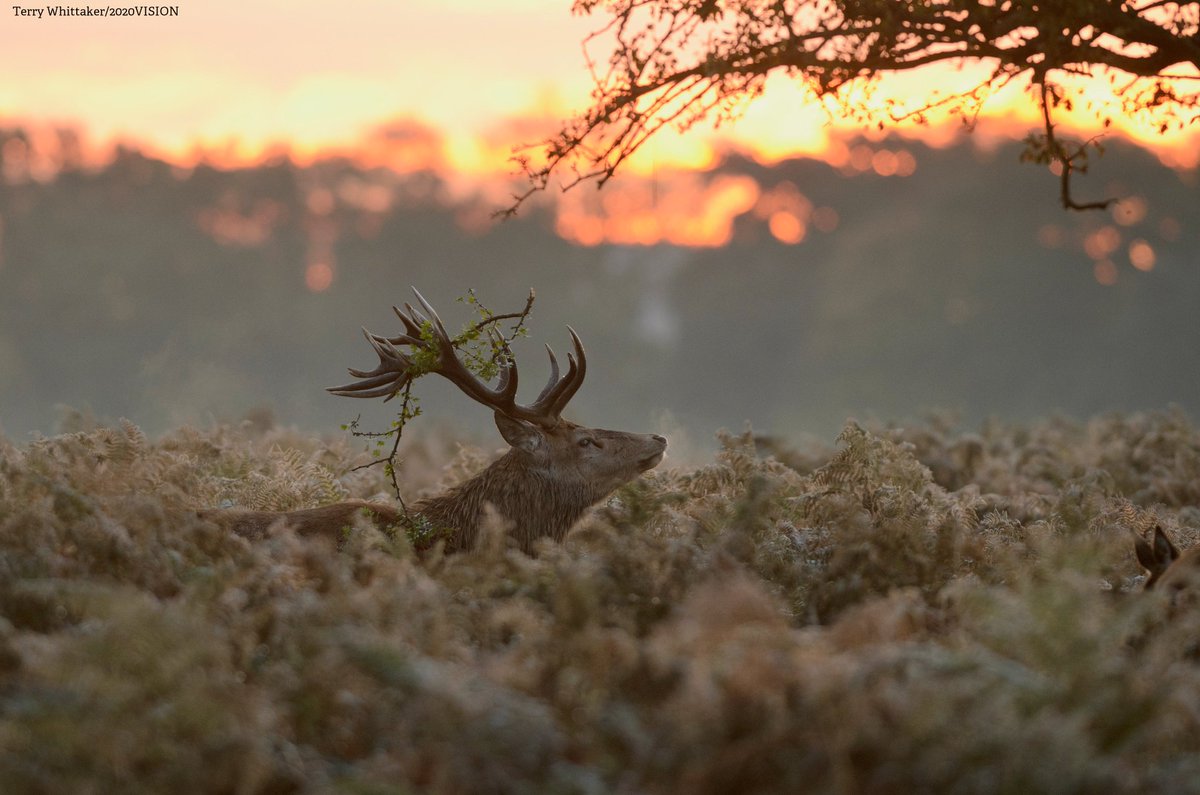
396, 369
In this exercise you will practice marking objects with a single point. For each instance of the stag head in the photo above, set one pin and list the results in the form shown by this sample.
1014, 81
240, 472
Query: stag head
561, 456
570, 453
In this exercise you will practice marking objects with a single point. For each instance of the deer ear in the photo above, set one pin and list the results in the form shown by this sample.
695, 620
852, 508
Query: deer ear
1164, 550
1156, 557
1145, 555
518, 433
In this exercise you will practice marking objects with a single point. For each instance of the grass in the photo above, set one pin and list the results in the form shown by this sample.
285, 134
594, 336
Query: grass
917, 609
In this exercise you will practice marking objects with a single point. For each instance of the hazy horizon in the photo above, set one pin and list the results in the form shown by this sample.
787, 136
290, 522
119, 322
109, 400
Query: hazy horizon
195, 219
165, 296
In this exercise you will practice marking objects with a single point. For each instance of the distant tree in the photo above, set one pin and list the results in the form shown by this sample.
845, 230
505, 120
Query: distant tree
676, 62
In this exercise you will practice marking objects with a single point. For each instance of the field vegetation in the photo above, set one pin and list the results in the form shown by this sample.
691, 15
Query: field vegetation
905, 609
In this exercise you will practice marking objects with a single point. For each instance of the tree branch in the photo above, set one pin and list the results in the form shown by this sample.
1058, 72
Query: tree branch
1065, 160
674, 63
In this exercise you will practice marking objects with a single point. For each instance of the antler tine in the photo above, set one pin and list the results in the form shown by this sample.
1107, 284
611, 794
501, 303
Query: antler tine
401, 339
556, 396
411, 336
417, 318
411, 328
553, 380
572, 383
388, 378
433, 315
387, 391
387, 351
507, 385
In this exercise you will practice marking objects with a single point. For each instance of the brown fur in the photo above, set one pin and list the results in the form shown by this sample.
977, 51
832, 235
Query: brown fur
325, 521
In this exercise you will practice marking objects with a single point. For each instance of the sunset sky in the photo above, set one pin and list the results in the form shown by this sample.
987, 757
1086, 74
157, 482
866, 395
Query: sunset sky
240, 78
453, 86
296, 71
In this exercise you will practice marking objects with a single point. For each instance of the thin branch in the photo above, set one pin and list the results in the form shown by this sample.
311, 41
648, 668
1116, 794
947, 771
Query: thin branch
389, 461
1066, 161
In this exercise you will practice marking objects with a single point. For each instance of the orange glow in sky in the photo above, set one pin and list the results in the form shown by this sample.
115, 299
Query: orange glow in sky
450, 85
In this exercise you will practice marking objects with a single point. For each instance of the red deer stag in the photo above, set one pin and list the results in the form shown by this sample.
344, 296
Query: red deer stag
1168, 568
554, 472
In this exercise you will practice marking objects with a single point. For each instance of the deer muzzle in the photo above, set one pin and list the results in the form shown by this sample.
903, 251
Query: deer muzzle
656, 457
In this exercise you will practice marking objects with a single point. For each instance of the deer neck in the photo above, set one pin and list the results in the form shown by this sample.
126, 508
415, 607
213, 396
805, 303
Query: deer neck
537, 503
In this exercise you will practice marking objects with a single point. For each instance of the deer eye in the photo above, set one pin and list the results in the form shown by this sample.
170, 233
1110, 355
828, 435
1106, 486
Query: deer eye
585, 442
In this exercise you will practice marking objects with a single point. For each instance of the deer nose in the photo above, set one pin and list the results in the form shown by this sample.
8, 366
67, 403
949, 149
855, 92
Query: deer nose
658, 438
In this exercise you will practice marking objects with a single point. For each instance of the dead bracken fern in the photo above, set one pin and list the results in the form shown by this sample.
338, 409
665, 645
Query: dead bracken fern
910, 608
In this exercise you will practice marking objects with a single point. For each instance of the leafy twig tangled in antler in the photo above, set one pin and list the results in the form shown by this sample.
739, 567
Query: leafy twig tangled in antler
484, 347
